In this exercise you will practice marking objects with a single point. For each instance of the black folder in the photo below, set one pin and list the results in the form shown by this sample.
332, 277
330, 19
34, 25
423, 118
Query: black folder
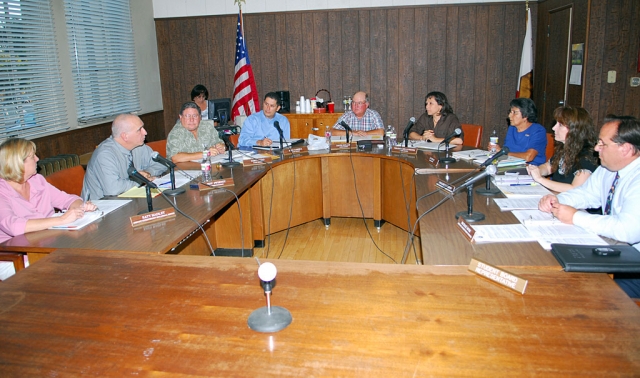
582, 258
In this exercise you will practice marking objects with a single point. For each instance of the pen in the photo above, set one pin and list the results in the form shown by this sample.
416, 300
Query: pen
165, 183
529, 184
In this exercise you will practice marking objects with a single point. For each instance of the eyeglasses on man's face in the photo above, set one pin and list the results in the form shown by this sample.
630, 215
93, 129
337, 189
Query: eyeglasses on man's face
602, 144
191, 116
358, 103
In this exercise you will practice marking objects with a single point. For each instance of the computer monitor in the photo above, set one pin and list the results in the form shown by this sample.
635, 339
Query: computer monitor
221, 104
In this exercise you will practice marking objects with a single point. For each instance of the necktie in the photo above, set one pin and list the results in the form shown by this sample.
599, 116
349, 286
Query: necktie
607, 206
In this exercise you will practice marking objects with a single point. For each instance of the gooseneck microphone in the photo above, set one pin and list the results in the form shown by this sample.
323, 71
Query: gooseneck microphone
489, 171
155, 156
276, 124
172, 174
405, 133
139, 178
451, 136
347, 129
489, 161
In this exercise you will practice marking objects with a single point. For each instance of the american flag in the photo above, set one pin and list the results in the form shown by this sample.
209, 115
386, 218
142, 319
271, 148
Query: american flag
245, 93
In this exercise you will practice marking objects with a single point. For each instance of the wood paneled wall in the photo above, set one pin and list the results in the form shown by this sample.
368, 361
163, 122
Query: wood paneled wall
469, 52
82, 141
614, 44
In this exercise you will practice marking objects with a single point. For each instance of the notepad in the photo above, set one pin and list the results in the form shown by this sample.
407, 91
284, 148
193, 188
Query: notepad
104, 207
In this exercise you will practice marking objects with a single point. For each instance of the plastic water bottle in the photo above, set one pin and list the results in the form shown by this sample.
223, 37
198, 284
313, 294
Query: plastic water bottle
493, 142
388, 134
327, 135
205, 166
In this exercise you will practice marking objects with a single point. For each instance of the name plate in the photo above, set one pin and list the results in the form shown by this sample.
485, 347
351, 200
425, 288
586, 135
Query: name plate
343, 146
467, 231
433, 160
499, 276
295, 150
404, 150
215, 184
154, 216
445, 186
252, 162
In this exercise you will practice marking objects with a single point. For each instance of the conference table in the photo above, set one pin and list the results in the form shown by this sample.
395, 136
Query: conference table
295, 189
110, 313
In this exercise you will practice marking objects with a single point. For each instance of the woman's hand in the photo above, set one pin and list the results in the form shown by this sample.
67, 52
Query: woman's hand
71, 215
427, 135
534, 171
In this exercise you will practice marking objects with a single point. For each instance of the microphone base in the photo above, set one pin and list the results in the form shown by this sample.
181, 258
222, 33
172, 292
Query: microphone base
447, 160
488, 192
174, 192
473, 217
261, 321
230, 164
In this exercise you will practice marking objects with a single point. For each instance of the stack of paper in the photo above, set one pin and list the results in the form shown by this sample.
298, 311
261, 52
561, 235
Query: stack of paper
104, 207
510, 161
525, 203
424, 145
471, 155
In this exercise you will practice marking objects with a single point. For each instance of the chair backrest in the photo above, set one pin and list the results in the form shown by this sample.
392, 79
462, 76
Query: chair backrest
472, 135
550, 145
220, 104
68, 180
160, 146
234, 138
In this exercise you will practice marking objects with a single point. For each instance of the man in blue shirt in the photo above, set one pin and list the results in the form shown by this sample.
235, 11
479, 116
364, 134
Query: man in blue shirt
526, 139
258, 128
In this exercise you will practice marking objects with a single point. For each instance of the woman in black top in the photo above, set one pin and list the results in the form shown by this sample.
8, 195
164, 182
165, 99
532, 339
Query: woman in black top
573, 158
437, 122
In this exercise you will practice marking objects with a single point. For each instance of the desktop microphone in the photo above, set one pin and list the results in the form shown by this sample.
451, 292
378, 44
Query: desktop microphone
139, 178
227, 142
489, 171
276, 124
346, 127
155, 156
489, 161
405, 133
454, 134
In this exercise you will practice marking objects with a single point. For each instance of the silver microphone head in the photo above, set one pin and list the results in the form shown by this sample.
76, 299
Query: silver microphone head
412, 119
491, 170
458, 131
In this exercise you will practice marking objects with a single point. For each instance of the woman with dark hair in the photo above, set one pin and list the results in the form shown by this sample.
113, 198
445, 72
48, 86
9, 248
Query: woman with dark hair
526, 139
437, 122
573, 159
200, 95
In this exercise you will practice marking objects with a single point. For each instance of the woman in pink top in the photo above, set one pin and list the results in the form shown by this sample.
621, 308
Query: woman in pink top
27, 200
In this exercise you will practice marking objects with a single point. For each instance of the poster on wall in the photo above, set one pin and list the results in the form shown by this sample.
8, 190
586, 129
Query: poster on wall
577, 59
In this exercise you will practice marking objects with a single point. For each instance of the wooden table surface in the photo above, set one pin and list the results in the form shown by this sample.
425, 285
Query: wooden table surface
121, 314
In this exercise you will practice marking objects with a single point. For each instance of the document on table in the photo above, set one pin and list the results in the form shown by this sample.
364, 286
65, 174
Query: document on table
533, 217
276, 144
104, 207
182, 177
424, 145
471, 154
546, 234
355, 138
509, 161
497, 233
523, 190
140, 192
524, 203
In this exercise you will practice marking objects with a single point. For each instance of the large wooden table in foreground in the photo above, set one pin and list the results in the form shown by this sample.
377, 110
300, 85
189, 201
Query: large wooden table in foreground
122, 314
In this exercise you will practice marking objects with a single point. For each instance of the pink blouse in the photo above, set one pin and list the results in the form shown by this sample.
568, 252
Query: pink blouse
15, 211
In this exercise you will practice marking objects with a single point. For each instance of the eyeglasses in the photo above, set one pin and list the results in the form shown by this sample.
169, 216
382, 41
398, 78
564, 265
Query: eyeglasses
602, 144
191, 116
514, 112
359, 103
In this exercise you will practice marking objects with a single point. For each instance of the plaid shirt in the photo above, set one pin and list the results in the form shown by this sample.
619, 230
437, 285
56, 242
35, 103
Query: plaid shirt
371, 120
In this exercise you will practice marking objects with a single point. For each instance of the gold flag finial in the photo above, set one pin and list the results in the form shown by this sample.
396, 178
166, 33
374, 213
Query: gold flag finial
526, 6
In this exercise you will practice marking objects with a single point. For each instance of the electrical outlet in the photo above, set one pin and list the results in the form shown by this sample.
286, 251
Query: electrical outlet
611, 77
635, 82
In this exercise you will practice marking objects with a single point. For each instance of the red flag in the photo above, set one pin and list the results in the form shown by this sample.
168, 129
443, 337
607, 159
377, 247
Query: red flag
525, 82
245, 92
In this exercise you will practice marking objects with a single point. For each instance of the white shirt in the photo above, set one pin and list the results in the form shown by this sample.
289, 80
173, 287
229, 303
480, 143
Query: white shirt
624, 222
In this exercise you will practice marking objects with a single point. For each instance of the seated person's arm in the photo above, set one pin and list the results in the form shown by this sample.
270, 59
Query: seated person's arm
108, 174
250, 135
538, 174
528, 155
375, 132
182, 157
415, 136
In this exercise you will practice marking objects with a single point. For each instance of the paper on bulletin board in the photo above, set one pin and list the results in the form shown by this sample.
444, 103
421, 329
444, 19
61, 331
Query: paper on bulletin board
576, 74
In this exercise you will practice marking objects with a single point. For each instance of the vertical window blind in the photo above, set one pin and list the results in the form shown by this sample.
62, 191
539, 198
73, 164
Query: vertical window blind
102, 57
31, 94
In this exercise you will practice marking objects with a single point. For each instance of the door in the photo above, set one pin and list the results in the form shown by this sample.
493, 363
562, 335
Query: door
557, 51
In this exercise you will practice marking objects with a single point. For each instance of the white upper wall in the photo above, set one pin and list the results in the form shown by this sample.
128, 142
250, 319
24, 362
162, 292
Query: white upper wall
188, 8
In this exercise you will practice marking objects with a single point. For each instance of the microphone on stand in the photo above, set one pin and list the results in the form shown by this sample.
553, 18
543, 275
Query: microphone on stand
488, 190
139, 178
227, 142
347, 129
447, 158
405, 133
172, 175
469, 215
276, 124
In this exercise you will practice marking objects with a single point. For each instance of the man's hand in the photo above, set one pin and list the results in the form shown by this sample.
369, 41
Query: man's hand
264, 142
147, 175
360, 133
217, 149
547, 203
564, 213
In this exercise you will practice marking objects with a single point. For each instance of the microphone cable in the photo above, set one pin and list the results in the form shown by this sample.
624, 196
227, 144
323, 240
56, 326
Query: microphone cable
364, 220
410, 234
